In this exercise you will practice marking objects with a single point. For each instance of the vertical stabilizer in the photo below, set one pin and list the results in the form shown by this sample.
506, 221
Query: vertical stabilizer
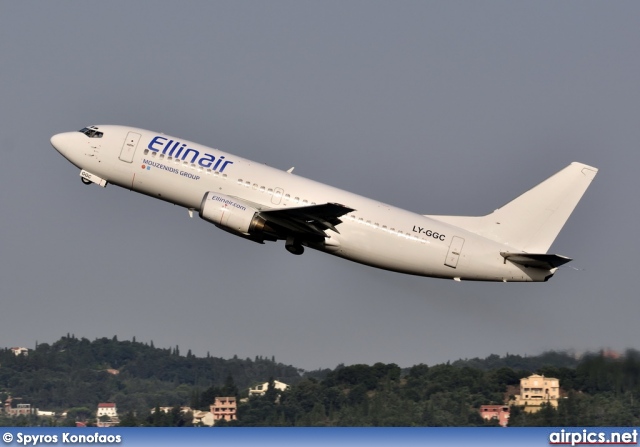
532, 221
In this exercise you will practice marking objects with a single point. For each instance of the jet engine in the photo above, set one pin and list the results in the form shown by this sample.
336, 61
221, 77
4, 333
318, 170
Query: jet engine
235, 216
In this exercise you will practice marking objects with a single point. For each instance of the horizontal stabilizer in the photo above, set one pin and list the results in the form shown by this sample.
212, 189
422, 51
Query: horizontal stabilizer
539, 261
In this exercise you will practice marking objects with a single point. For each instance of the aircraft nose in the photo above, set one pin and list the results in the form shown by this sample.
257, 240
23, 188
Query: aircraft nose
61, 142
56, 141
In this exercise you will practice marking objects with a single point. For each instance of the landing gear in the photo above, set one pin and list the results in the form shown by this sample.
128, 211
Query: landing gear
293, 246
89, 178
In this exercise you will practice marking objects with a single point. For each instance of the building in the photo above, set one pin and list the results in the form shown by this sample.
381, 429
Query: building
20, 351
496, 412
261, 389
183, 410
107, 414
224, 408
536, 390
203, 418
20, 410
107, 409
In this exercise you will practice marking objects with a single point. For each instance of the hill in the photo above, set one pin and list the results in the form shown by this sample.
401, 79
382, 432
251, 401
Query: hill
76, 372
74, 375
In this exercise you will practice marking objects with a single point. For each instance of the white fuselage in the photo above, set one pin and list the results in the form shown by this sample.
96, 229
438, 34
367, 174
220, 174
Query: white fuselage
375, 234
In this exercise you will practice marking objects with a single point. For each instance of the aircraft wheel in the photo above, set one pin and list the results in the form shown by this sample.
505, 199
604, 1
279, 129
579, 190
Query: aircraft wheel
294, 247
85, 181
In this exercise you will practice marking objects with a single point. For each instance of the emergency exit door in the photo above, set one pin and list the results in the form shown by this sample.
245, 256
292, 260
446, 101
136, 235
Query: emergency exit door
455, 248
277, 196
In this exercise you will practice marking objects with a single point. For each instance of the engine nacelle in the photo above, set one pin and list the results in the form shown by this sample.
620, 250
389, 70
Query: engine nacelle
234, 216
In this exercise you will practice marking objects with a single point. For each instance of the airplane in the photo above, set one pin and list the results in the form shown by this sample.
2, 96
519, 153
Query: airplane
262, 203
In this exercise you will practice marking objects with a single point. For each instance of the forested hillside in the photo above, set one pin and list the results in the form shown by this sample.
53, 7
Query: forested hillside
74, 374
598, 392
78, 373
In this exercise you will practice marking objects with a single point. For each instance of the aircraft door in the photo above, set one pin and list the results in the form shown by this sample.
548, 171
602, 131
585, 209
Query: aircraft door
455, 248
277, 196
129, 146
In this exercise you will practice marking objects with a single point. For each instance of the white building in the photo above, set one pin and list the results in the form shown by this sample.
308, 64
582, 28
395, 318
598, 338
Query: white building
536, 390
20, 351
107, 414
203, 418
107, 409
261, 389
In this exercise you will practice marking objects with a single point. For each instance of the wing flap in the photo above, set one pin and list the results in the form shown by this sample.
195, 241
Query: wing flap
311, 220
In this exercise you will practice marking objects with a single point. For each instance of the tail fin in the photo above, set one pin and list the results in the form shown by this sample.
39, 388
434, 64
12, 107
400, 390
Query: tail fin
532, 221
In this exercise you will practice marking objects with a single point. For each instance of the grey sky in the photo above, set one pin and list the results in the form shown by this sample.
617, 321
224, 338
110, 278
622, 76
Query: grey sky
438, 107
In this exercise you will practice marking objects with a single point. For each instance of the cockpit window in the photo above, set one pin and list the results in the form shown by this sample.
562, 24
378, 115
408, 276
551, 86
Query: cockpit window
91, 132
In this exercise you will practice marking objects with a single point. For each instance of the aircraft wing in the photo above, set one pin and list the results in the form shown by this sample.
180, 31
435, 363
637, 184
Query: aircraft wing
310, 220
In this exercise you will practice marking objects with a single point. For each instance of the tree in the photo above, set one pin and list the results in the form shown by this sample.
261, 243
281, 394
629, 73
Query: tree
80, 414
229, 388
271, 395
